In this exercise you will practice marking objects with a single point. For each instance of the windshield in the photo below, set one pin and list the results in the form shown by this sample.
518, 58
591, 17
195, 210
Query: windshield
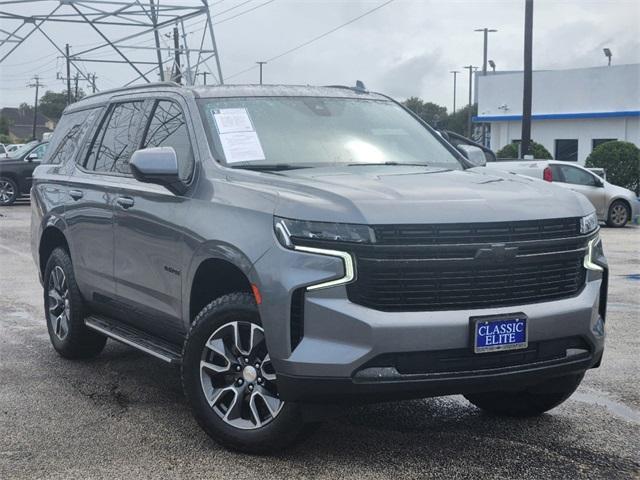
297, 132
17, 153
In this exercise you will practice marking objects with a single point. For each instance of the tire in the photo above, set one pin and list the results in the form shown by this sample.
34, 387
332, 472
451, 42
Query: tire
530, 402
65, 311
212, 392
8, 191
619, 214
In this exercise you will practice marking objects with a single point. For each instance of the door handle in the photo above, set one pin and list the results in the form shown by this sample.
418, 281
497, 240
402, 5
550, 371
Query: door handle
125, 202
76, 194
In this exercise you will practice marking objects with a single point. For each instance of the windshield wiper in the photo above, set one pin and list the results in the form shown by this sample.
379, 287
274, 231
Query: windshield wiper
389, 163
273, 167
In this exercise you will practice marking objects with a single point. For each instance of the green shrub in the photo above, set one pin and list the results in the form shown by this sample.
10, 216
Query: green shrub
621, 161
511, 151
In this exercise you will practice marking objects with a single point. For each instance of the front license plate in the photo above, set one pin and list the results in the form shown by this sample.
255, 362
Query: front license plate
492, 334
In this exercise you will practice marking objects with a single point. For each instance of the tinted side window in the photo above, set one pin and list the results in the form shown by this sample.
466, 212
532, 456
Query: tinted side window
576, 176
115, 143
69, 134
168, 128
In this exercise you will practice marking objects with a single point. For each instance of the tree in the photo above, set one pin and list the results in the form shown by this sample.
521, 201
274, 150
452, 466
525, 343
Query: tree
457, 121
537, 150
621, 161
5, 123
52, 103
430, 112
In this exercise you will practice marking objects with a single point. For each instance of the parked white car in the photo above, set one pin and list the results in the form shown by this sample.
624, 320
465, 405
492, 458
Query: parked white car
614, 205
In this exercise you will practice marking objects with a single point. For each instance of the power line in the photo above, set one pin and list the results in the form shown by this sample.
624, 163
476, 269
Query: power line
314, 39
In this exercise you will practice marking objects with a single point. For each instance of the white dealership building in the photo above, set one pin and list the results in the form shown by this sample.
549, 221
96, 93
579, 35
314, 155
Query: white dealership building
572, 110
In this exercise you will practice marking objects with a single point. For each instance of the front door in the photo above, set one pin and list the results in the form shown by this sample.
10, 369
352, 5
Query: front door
149, 218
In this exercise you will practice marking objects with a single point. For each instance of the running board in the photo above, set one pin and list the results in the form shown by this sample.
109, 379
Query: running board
135, 338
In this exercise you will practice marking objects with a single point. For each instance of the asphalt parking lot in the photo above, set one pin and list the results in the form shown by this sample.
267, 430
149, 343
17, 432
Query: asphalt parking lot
123, 414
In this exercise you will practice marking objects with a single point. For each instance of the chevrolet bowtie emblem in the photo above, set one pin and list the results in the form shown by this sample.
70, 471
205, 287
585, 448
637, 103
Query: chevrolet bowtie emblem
498, 252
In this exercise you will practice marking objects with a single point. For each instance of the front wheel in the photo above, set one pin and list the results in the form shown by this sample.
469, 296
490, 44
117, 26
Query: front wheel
529, 402
618, 214
230, 382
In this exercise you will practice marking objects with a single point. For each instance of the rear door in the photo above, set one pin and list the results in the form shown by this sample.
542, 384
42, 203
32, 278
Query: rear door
90, 196
582, 181
149, 229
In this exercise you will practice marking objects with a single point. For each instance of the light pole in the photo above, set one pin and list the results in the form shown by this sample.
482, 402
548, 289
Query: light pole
261, 64
455, 77
486, 32
471, 69
608, 54
492, 64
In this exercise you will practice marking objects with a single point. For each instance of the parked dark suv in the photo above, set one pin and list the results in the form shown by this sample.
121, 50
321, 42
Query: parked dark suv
294, 247
17, 169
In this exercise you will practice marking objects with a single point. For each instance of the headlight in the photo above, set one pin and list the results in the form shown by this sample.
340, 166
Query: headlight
594, 252
588, 223
288, 231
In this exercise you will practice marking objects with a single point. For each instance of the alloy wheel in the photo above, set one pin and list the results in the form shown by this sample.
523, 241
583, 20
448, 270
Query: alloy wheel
619, 214
7, 191
59, 305
237, 377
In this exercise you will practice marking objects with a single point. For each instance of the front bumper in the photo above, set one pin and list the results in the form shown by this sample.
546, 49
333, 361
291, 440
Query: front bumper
337, 356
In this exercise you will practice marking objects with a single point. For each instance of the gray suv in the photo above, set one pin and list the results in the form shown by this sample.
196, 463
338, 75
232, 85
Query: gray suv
292, 248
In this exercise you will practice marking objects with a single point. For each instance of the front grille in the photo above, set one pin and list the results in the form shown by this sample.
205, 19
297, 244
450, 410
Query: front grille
467, 266
397, 285
465, 233
464, 360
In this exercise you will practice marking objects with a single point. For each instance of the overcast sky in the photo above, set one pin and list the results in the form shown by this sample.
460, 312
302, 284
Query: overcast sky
405, 48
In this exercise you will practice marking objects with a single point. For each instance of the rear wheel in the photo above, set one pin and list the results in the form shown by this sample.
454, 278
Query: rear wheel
8, 191
229, 380
529, 402
618, 214
65, 311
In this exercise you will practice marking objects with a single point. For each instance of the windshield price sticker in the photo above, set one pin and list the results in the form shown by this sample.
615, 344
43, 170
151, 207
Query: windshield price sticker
241, 147
232, 120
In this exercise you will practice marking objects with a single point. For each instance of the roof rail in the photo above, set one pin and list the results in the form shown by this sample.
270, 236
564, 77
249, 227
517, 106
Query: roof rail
135, 87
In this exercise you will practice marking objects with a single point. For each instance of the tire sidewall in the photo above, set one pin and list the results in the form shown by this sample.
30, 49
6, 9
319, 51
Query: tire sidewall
273, 436
15, 191
610, 221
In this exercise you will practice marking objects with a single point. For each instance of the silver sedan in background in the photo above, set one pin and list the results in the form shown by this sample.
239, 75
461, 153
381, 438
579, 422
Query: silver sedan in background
615, 205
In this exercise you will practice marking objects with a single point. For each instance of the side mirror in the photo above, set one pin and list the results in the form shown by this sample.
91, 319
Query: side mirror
158, 165
474, 154
31, 157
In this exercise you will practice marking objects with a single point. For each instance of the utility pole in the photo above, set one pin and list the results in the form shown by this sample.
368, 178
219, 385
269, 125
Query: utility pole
37, 86
204, 74
177, 77
76, 78
471, 69
66, 54
261, 64
525, 137
455, 75
156, 37
93, 83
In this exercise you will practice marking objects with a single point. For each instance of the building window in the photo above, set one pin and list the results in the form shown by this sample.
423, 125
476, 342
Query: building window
567, 150
599, 141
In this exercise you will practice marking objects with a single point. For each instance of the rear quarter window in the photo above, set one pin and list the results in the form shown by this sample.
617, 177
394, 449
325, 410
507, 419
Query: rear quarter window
69, 134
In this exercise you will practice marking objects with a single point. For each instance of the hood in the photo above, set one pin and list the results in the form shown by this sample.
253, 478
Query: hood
403, 194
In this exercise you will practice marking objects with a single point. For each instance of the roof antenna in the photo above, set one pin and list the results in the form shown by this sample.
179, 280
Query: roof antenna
360, 86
